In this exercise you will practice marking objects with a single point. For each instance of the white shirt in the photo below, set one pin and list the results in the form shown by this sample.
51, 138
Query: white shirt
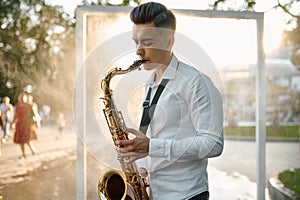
186, 129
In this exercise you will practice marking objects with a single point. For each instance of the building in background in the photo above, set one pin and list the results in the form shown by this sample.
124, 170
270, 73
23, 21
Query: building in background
282, 80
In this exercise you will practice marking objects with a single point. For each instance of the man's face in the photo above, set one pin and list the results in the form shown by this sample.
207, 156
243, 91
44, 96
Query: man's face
152, 44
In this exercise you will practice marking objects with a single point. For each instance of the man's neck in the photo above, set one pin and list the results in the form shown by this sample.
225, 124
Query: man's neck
159, 71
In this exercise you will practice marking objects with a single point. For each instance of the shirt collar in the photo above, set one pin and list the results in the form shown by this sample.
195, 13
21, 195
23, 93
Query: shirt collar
169, 73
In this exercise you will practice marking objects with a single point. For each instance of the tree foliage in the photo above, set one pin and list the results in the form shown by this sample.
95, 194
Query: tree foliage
233, 5
108, 2
35, 40
37, 51
292, 38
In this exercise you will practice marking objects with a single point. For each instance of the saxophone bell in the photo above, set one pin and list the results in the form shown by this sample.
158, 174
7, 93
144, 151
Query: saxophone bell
113, 186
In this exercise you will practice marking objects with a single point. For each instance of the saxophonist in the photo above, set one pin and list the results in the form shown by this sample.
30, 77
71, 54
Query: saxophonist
184, 125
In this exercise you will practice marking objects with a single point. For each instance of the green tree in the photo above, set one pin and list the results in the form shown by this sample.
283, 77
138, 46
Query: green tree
292, 37
37, 51
108, 2
34, 42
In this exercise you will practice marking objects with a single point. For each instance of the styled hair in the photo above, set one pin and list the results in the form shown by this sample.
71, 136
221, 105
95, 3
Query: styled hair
153, 12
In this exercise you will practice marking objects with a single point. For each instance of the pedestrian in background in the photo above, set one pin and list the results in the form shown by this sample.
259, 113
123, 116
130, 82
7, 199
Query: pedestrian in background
61, 122
1, 125
23, 121
7, 112
36, 119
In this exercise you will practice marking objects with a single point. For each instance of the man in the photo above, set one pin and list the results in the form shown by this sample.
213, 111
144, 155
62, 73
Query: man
186, 127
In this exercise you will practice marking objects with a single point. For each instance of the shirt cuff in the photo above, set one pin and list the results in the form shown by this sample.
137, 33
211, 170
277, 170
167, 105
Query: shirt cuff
159, 147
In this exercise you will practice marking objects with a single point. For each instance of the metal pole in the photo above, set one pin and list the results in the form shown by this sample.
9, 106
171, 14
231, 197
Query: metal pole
80, 105
260, 112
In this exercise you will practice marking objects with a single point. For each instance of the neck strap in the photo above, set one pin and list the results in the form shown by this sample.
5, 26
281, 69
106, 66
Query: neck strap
149, 109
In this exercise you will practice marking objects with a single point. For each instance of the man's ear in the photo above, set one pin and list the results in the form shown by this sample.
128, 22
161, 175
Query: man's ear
171, 41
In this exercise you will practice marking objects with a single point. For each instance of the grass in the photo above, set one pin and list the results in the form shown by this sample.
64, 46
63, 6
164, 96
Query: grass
290, 179
289, 132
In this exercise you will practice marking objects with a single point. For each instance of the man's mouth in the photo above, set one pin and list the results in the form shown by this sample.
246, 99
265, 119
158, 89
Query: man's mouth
145, 60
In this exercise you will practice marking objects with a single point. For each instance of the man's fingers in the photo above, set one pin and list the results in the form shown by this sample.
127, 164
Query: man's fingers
127, 154
126, 149
133, 157
124, 142
143, 172
134, 131
130, 157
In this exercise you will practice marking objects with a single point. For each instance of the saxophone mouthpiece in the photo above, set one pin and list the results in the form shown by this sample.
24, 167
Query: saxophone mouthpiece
138, 63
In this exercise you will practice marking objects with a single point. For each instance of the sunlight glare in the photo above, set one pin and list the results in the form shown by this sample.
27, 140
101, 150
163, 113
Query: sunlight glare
227, 41
274, 26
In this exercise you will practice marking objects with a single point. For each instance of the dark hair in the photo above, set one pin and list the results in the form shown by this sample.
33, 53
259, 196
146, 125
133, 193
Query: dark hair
153, 12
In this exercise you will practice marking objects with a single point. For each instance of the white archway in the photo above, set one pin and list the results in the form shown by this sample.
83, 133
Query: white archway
82, 101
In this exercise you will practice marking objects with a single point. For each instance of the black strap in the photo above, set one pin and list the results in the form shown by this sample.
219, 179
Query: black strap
149, 109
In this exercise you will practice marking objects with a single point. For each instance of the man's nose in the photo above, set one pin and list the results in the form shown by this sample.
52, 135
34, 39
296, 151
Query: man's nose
140, 52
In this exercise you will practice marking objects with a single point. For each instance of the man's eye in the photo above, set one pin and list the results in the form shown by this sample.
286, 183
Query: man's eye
143, 43
147, 43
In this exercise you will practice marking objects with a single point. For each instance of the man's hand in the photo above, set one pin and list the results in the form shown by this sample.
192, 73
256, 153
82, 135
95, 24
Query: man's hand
143, 172
135, 148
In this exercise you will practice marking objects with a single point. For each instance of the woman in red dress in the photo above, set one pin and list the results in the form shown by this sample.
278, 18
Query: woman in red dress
23, 121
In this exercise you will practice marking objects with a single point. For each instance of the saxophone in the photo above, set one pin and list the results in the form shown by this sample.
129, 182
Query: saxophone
114, 185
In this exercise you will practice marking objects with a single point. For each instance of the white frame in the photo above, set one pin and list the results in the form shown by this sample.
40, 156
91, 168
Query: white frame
80, 97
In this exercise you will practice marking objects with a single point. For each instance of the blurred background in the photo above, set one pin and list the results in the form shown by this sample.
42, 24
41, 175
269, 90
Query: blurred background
37, 42
38, 56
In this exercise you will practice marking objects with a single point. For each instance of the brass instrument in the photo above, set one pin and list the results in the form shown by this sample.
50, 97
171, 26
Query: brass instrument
114, 185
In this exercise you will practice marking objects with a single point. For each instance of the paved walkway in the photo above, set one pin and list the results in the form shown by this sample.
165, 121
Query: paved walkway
48, 147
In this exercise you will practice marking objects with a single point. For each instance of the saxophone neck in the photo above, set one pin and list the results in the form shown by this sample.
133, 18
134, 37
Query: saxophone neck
118, 71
